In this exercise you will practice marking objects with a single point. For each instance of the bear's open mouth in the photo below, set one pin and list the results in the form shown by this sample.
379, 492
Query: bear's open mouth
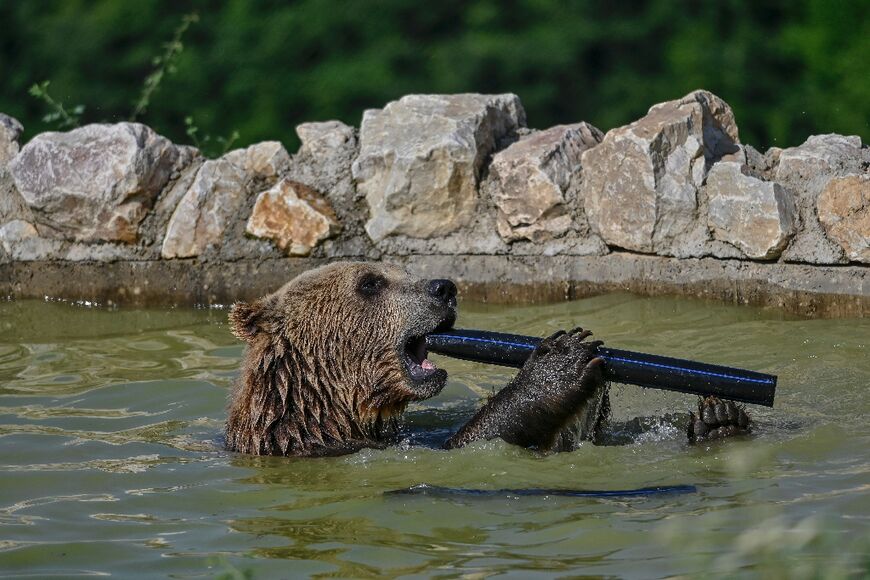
419, 367
425, 379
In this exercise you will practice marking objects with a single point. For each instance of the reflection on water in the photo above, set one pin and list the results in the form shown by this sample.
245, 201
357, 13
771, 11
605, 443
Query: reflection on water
111, 463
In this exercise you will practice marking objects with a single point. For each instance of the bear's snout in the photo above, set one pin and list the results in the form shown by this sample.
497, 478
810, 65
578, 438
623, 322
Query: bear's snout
443, 290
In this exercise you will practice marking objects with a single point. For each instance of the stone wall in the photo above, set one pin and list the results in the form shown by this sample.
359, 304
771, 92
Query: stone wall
439, 179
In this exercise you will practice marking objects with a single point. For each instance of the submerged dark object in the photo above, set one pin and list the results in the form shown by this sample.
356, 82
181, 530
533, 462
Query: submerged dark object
438, 491
620, 366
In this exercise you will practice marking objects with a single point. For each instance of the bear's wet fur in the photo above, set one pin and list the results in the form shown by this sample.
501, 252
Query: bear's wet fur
327, 367
717, 419
335, 355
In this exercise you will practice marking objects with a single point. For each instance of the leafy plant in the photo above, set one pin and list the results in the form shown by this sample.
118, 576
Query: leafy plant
163, 64
204, 142
788, 69
57, 112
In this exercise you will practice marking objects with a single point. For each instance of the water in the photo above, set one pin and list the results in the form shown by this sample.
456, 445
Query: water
109, 450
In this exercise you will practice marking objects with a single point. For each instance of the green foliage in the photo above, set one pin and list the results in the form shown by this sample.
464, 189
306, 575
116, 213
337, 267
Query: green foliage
57, 113
211, 147
163, 65
789, 69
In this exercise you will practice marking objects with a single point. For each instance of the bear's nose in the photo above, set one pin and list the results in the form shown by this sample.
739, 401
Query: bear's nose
444, 290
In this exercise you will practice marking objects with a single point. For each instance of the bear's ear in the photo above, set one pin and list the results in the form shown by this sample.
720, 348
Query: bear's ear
249, 320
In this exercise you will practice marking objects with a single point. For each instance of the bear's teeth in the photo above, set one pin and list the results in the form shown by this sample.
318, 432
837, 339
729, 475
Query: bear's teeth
428, 365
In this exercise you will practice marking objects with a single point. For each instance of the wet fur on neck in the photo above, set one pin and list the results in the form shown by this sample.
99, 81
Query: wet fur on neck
288, 403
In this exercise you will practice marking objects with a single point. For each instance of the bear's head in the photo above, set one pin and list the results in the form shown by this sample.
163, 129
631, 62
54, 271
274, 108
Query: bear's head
333, 357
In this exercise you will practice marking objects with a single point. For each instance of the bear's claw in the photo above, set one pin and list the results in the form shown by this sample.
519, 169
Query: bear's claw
717, 419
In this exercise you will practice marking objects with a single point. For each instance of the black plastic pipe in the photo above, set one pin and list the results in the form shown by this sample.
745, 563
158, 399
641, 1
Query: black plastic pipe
438, 491
620, 366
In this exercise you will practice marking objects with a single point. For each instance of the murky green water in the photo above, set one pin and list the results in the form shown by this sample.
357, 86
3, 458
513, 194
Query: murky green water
109, 422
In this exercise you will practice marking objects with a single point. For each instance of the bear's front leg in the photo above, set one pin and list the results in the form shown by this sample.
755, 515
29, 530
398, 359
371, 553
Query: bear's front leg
550, 390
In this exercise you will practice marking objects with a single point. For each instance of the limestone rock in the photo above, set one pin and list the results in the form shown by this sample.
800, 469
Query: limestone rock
22, 242
324, 163
266, 161
806, 170
640, 185
321, 140
420, 160
761, 165
844, 211
819, 154
294, 215
531, 177
12, 205
78, 252
204, 212
94, 183
152, 232
756, 216
218, 194
10, 131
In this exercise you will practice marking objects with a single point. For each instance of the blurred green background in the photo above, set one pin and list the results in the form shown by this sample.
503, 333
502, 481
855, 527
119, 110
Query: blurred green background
788, 68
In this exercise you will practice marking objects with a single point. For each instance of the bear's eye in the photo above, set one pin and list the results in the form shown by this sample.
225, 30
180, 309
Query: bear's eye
371, 284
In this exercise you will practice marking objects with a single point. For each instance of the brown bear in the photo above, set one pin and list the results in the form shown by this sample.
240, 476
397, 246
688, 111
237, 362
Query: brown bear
335, 355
